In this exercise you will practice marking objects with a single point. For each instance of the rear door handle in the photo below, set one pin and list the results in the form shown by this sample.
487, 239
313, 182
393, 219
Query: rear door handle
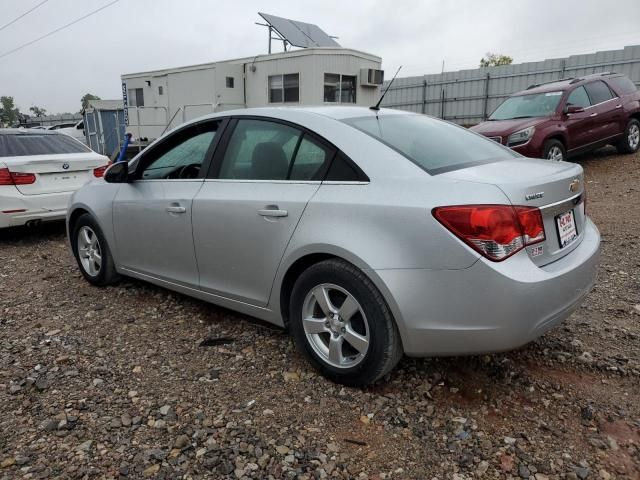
176, 209
272, 211
618, 106
594, 114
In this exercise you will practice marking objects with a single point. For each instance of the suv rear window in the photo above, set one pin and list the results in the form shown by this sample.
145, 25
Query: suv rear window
433, 145
622, 85
24, 144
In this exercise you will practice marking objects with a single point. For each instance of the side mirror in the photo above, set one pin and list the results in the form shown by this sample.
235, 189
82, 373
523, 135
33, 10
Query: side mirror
117, 173
573, 109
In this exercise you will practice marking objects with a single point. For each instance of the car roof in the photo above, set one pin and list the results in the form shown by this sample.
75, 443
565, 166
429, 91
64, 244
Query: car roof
24, 131
334, 112
566, 83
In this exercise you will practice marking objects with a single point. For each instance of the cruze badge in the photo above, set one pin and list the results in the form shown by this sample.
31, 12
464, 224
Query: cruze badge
65, 166
575, 185
533, 196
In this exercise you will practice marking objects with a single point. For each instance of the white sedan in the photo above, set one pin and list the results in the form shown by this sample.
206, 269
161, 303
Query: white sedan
39, 170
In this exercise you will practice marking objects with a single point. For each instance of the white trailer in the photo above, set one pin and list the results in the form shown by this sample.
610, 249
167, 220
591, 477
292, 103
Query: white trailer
160, 100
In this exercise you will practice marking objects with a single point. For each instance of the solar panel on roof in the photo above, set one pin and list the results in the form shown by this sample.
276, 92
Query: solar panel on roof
299, 34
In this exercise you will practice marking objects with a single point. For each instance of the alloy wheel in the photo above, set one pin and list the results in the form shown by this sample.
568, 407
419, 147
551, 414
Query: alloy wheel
555, 154
634, 136
89, 251
335, 326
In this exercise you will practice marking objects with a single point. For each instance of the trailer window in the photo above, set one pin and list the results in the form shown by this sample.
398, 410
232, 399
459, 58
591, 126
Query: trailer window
284, 88
339, 88
229, 82
135, 97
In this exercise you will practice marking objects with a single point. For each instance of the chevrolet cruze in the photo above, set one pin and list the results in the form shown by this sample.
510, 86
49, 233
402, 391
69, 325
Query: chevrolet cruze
369, 234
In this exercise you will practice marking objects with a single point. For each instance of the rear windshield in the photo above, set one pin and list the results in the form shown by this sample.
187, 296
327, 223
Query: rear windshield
23, 144
432, 144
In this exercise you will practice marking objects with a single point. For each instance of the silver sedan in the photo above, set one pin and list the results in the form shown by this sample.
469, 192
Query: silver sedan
368, 234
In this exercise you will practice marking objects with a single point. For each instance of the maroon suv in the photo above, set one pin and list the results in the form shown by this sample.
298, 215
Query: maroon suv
562, 118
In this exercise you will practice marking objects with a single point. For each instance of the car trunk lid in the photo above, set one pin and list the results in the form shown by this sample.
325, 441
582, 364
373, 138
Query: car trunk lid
557, 188
55, 173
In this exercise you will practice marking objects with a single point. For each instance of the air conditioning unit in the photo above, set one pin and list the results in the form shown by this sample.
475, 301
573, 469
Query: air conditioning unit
370, 77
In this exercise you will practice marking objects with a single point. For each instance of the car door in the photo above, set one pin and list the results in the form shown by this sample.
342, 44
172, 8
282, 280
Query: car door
152, 213
579, 124
263, 176
604, 111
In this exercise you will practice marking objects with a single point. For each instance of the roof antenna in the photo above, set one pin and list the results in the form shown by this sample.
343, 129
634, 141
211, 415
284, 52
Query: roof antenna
376, 107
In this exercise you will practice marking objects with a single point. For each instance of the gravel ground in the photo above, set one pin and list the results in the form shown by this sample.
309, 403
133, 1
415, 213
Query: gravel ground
134, 381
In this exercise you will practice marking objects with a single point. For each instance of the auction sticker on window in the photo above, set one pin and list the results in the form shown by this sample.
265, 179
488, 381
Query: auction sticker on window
567, 231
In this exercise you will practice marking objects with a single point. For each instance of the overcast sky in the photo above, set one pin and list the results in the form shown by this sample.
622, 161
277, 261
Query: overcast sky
139, 35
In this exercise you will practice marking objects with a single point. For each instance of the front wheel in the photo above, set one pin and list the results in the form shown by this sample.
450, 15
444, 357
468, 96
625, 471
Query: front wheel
554, 150
340, 321
631, 140
92, 252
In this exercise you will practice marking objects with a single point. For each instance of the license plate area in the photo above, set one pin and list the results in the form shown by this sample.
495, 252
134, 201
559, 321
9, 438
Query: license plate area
567, 231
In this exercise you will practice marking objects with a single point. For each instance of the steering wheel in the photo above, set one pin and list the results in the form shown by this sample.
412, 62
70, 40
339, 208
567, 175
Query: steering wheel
188, 171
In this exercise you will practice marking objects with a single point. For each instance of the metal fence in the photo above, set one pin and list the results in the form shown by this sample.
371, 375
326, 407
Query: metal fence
468, 96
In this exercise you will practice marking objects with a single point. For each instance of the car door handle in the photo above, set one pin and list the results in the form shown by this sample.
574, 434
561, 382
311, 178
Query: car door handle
176, 209
618, 106
272, 211
594, 114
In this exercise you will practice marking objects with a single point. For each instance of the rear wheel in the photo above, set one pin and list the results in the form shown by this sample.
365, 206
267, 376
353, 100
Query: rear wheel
554, 150
92, 252
631, 140
340, 321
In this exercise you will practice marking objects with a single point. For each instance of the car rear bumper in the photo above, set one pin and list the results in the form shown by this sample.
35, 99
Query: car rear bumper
489, 306
18, 209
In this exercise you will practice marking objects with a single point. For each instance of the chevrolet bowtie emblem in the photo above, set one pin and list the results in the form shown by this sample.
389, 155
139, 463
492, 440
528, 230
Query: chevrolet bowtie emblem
574, 186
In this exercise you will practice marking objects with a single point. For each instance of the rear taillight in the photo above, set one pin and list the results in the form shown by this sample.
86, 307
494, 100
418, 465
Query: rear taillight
495, 231
99, 172
5, 177
16, 178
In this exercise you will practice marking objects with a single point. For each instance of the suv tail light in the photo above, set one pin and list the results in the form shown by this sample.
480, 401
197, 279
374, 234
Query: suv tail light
99, 171
494, 231
16, 178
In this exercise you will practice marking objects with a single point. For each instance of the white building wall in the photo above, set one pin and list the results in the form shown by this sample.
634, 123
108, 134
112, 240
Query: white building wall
190, 92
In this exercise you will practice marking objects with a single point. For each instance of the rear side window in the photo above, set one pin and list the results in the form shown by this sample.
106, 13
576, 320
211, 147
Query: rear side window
342, 170
310, 158
259, 150
24, 144
623, 85
598, 92
433, 145
579, 98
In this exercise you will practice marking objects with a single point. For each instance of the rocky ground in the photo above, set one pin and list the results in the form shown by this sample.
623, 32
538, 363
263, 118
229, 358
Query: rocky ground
134, 381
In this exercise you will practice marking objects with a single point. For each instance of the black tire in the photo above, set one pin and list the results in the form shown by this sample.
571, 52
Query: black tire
384, 349
625, 145
554, 145
106, 274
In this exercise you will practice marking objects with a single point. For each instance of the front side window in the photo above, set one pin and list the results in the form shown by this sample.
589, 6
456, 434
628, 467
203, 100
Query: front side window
433, 145
181, 155
23, 144
526, 106
284, 88
339, 88
579, 98
135, 97
598, 92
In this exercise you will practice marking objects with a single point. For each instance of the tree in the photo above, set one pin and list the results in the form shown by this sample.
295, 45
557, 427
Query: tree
495, 60
88, 97
9, 112
37, 111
